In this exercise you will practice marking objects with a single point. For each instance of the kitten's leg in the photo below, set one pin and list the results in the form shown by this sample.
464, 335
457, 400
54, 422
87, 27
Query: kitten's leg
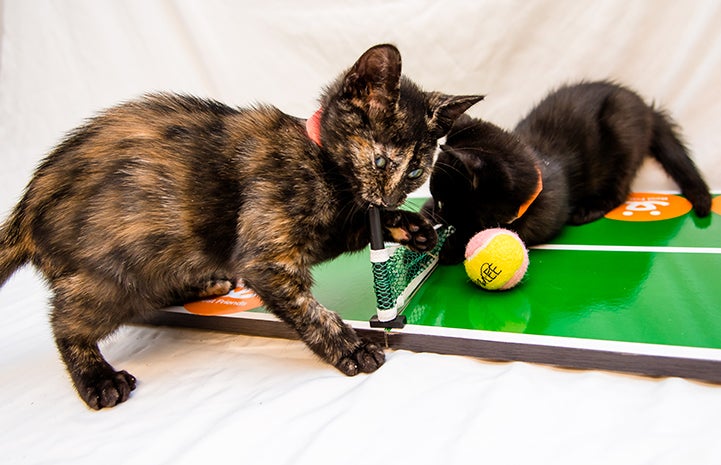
409, 228
97, 383
625, 125
286, 293
79, 320
583, 214
593, 208
454, 248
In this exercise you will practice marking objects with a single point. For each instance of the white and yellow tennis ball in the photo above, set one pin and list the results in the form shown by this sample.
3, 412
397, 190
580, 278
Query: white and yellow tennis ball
496, 259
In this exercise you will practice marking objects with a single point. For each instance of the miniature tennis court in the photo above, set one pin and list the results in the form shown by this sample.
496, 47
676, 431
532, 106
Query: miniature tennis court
633, 292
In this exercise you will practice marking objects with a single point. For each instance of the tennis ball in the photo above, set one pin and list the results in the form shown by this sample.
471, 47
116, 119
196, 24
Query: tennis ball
496, 259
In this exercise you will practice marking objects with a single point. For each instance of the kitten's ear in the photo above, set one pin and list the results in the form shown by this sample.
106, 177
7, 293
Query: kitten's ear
476, 167
375, 78
445, 109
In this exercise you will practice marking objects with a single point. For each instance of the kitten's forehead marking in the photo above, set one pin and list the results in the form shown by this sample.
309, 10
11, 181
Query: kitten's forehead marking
392, 153
398, 168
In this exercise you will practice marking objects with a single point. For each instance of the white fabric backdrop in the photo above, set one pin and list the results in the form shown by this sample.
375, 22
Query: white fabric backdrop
227, 398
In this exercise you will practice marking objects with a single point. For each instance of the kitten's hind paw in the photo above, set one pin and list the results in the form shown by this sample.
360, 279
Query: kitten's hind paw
365, 359
582, 215
107, 391
216, 287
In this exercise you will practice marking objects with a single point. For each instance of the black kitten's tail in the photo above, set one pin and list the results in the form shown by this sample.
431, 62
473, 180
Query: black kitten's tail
14, 245
667, 148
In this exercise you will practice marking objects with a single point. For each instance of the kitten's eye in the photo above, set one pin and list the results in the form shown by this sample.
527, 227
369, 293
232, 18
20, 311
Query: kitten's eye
415, 174
380, 162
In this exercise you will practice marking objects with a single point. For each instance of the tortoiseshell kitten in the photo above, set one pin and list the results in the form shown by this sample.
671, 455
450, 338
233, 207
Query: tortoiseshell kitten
171, 198
570, 161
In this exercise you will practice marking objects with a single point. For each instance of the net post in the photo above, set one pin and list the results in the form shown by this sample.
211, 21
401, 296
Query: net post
386, 310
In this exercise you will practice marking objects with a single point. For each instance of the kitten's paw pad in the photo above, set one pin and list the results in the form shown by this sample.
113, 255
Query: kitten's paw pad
399, 235
412, 229
365, 359
423, 237
108, 391
216, 287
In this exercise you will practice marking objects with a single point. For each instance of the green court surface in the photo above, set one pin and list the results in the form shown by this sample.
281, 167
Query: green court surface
636, 296
664, 289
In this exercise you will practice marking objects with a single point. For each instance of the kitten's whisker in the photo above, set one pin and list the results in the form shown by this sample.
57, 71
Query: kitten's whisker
470, 149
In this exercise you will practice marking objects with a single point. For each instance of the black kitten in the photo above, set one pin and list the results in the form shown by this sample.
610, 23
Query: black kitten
570, 161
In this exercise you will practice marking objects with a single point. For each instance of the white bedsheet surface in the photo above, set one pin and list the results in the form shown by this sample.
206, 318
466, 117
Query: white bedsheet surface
206, 397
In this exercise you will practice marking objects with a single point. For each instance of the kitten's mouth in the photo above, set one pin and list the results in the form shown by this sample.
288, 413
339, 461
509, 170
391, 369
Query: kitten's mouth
378, 197
385, 203
374, 203
375, 199
372, 200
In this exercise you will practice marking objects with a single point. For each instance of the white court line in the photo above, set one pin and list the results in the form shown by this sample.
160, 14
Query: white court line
628, 248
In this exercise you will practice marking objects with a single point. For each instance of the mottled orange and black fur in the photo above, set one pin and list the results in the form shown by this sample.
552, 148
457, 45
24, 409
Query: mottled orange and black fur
172, 197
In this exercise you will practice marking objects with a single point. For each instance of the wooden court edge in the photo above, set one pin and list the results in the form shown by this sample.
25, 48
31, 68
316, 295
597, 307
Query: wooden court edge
646, 359
654, 360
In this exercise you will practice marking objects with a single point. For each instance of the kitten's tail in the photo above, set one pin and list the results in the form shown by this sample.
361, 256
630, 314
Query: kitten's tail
669, 150
14, 245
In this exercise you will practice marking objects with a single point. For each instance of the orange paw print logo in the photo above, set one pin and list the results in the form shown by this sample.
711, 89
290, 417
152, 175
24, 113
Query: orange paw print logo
650, 207
239, 299
716, 205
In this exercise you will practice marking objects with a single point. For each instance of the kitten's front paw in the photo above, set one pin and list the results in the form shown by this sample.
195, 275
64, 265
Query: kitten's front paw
365, 359
107, 391
411, 229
